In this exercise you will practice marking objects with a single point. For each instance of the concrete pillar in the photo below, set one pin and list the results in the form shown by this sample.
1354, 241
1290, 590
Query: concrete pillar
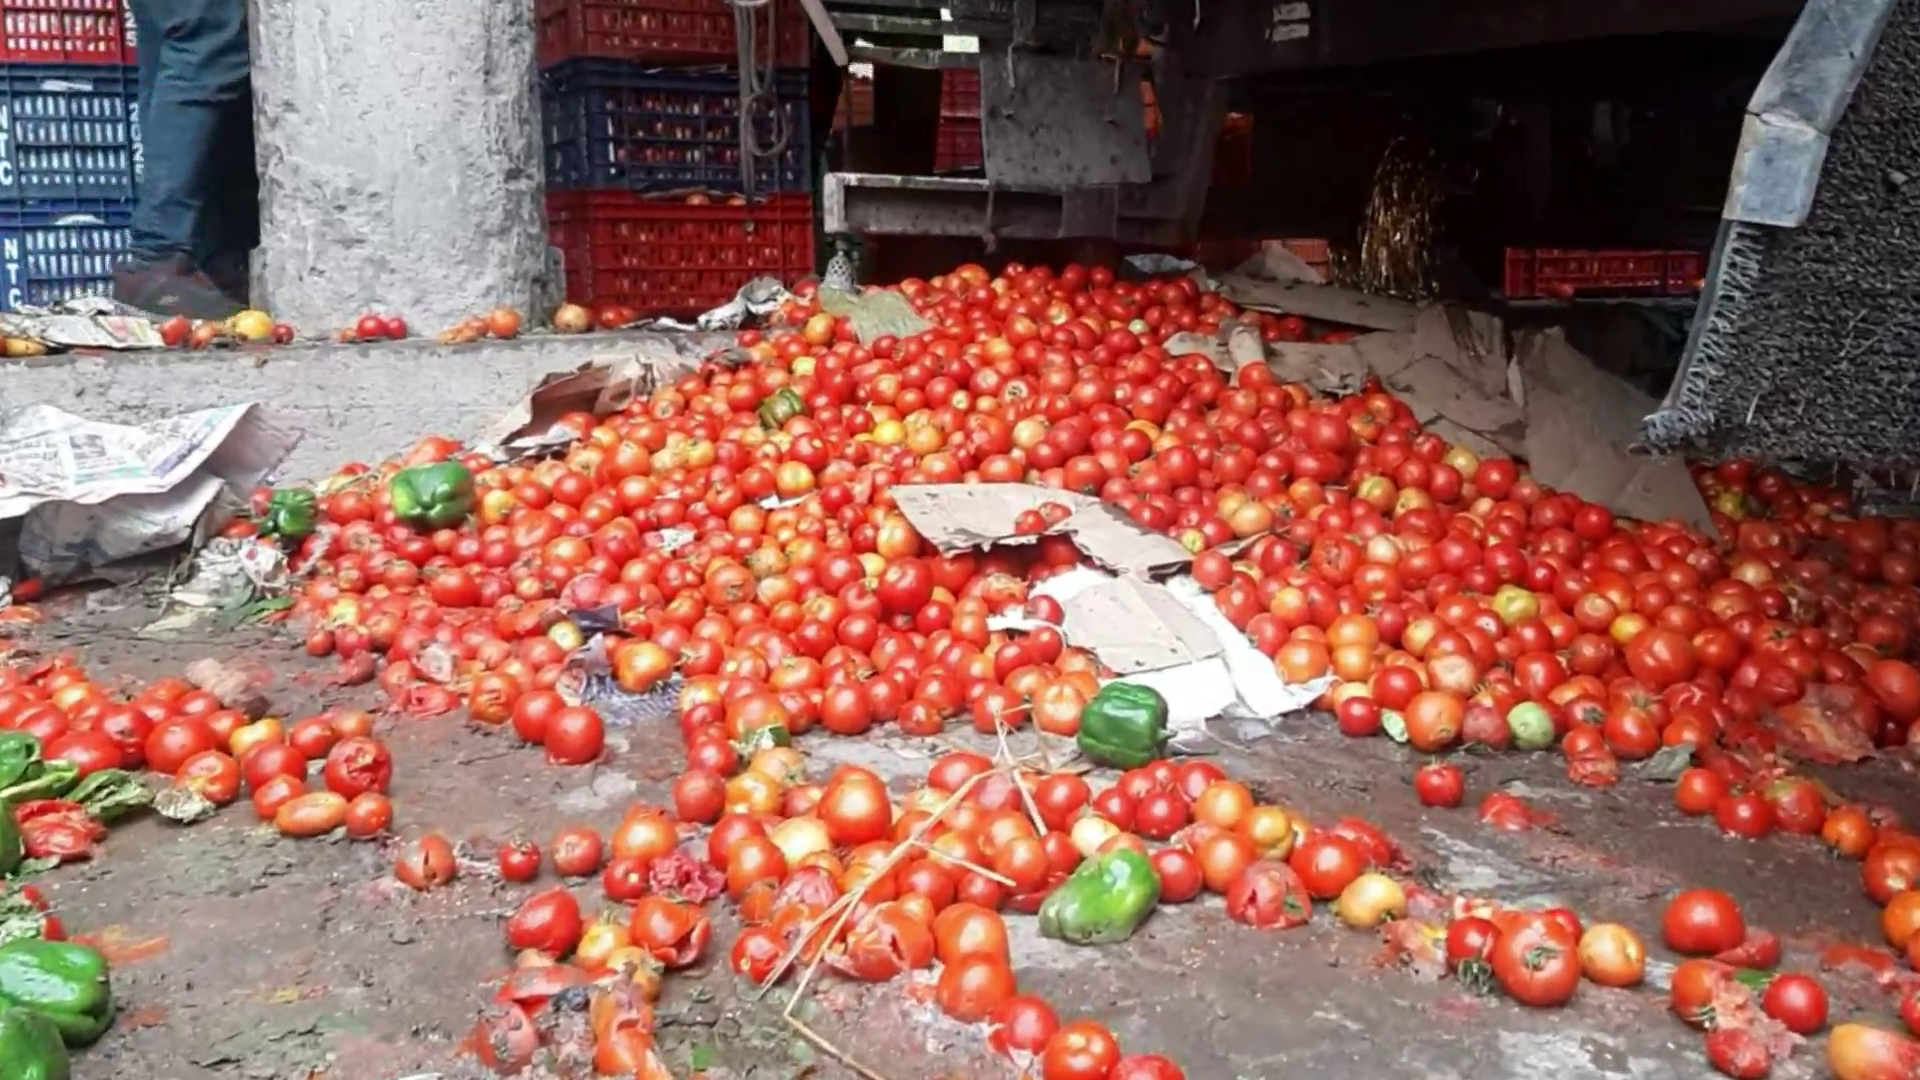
400, 160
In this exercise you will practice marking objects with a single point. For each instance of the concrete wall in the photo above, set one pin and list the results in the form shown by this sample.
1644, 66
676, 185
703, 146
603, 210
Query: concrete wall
354, 402
400, 160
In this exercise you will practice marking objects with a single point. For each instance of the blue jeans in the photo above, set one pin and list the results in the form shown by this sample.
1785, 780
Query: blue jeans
200, 195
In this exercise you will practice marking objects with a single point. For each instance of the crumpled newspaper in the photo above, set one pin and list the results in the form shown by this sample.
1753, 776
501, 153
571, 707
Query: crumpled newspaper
230, 579
757, 299
88, 322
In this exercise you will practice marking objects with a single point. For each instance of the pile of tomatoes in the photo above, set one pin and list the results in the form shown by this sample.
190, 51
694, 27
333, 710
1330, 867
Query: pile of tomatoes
188, 736
764, 565
1452, 599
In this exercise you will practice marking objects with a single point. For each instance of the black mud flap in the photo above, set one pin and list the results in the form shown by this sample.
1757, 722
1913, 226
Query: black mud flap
1806, 346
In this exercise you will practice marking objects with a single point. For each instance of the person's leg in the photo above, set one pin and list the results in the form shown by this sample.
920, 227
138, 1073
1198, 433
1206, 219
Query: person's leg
231, 226
199, 85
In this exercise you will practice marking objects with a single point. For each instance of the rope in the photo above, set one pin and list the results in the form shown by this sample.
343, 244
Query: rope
759, 88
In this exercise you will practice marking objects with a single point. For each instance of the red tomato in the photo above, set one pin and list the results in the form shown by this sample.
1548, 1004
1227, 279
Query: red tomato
1082, 1050
1796, 1001
1536, 961
1440, 785
1146, 1067
1702, 922
1021, 1023
357, 765
574, 735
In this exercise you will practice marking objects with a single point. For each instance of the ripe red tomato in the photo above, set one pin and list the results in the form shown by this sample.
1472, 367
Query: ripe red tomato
1327, 864
1699, 791
1536, 961
1146, 1067
357, 765
1702, 922
1269, 894
1796, 1001
519, 861
972, 986
1439, 785
577, 851
574, 735
1082, 1050
1021, 1023
1179, 874
1744, 814
547, 921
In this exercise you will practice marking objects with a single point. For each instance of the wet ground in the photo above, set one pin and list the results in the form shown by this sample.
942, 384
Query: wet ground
250, 955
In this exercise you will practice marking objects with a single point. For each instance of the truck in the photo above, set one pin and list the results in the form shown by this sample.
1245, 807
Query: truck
1782, 137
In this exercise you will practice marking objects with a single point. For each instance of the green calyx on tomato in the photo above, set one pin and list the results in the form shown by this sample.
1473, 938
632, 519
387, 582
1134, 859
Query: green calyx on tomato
1124, 726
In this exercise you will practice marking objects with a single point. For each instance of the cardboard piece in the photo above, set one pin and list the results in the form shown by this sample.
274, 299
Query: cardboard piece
602, 385
1329, 303
1166, 633
1580, 421
968, 517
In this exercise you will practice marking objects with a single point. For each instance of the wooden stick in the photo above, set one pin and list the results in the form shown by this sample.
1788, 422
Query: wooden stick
831, 1050
1013, 774
967, 864
845, 905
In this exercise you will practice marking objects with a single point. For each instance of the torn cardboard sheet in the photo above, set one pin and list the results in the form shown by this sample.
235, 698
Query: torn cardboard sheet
1173, 638
1235, 346
967, 517
1580, 420
1328, 303
91, 495
1273, 262
602, 385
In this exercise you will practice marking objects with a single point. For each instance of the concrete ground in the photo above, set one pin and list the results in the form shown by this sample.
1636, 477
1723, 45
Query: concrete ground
255, 956
353, 402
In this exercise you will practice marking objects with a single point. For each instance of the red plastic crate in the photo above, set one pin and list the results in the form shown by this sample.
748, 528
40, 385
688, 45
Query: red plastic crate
960, 92
957, 144
663, 31
667, 256
65, 32
1538, 272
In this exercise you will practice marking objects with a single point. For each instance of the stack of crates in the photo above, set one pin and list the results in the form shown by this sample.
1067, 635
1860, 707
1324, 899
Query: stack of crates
69, 147
641, 114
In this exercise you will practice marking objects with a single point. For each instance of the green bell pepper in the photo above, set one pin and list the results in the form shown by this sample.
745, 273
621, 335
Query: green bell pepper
779, 407
1102, 902
1124, 726
19, 752
290, 514
43, 780
31, 1047
65, 981
432, 496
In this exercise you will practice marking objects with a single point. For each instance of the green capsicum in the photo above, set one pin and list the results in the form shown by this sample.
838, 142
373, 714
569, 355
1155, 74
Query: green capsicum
432, 496
779, 407
19, 752
290, 514
62, 980
43, 780
1124, 726
1102, 902
31, 1047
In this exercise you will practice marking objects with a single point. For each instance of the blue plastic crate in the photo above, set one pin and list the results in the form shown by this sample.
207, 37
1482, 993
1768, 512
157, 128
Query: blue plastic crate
49, 254
68, 132
612, 124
